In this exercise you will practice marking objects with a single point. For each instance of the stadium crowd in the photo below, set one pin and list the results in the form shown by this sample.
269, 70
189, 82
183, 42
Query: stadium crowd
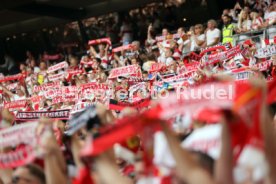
114, 116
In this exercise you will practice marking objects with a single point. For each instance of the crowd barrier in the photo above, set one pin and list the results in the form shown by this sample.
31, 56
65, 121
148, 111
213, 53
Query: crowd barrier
258, 36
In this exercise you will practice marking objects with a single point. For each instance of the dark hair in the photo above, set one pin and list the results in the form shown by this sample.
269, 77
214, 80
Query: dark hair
228, 16
37, 172
272, 109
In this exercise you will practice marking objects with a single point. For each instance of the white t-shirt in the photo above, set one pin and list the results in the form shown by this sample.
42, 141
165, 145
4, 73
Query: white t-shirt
270, 16
246, 24
194, 46
211, 35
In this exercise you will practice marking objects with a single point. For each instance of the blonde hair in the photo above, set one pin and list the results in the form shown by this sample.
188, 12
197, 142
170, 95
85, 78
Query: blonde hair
240, 21
254, 16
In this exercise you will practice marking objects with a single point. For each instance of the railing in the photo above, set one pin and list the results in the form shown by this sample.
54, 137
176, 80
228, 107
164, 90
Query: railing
258, 36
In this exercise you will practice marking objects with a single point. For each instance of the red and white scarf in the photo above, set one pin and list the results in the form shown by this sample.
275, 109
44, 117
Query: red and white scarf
58, 66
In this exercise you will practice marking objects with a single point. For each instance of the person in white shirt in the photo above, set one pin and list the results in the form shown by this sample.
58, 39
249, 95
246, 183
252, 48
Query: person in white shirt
270, 19
212, 33
257, 20
244, 25
197, 37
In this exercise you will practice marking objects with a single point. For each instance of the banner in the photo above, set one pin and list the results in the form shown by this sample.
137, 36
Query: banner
116, 105
94, 86
80, 120
56, 77
241, 74
75, 72
46, 86
122, 48
193, 100
15, 105
35, 115
156, 67
52, 92
99, 41
35, 101
81, 106
221, 56
213, 48
23, 134
12, 77
58, 66
180, 77
51, 57
192, 66
121, 130
123, 71
268, 51
57, 99
263, 66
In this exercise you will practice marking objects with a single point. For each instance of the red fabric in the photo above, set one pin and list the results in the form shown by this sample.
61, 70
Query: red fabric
123, 129
166, 180
133, 144
248, 42
267, 41
247, 107
129, 169
209, 116
83, 177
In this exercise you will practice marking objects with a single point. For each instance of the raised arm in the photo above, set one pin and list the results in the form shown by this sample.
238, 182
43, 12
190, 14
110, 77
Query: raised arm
93, 51
54, 163
224, 165
269, 133
186, 167
5, 90
108, 170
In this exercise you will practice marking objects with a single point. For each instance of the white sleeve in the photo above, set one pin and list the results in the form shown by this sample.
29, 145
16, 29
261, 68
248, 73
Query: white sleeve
217, 35
248, 25
201, 37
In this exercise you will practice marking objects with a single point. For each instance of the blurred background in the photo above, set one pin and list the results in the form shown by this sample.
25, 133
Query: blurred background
58, 25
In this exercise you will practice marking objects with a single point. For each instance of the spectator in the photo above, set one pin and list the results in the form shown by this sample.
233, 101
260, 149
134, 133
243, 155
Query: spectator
165, 32
41, 76
244, 24
228, 29
197, 37
34, 66
9, 66
28, 174
212, 33
126, 32
29, 57
270, 19
257, 20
